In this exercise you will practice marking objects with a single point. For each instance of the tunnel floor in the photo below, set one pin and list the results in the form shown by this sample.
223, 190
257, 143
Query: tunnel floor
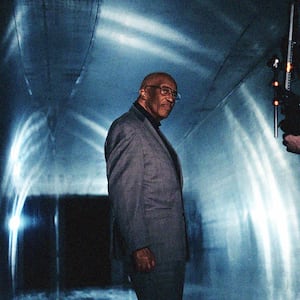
191, 292
115, 293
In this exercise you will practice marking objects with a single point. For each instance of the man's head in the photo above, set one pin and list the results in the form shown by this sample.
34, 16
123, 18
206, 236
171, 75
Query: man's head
157, 94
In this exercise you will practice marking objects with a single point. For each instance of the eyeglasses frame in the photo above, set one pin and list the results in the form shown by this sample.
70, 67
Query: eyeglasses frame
175, 95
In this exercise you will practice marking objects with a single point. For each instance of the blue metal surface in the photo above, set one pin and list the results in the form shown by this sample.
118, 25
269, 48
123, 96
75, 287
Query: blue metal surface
69, 68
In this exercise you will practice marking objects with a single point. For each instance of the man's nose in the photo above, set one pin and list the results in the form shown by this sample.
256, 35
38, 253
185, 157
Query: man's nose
171, 99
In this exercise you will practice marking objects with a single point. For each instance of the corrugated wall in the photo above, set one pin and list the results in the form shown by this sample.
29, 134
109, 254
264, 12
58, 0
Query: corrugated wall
242, 196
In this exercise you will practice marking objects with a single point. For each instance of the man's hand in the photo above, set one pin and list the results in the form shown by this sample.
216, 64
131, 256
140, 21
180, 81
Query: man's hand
144, 260
292, 143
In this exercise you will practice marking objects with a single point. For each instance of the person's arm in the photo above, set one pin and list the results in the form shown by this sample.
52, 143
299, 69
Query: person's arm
125, 169
292, 143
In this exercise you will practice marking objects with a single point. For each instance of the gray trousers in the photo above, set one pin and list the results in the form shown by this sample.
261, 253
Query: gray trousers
165, 282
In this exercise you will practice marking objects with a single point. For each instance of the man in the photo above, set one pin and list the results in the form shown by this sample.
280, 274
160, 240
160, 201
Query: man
292, 143
145, 188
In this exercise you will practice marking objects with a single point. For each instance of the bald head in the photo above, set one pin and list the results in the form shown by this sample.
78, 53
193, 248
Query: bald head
157, 94
156, 79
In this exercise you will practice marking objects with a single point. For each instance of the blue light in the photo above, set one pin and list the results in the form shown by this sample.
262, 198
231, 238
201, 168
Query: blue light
152, 37
267, 202
14, 223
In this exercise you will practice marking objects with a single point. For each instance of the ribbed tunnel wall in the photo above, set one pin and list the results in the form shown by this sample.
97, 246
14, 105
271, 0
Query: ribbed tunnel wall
243, 187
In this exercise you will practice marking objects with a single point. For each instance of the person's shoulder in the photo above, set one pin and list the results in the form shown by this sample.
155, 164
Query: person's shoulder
130, 118
128, 121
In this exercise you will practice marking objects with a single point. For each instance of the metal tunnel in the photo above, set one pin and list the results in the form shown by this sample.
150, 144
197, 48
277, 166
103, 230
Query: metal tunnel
68, 68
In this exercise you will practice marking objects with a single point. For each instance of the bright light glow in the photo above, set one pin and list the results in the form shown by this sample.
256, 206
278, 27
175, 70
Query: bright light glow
165, 42
16, 170
14, 223
90, 124
153, 48
27, 141
12, 35
153, 28
23, 169
289, 67
268, 204
11, 50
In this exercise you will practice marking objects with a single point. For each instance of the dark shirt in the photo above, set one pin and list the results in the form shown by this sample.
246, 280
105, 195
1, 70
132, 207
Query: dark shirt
156, 125
154, 122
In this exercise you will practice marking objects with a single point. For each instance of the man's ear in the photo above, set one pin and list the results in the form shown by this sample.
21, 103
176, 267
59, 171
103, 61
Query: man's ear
143, 94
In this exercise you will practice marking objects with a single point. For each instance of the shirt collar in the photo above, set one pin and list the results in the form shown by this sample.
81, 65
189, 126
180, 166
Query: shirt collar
154, 122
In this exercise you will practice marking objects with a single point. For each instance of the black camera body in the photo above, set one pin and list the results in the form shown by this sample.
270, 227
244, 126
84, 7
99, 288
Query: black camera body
290, 108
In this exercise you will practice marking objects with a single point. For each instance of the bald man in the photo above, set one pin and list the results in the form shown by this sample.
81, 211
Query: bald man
145, 189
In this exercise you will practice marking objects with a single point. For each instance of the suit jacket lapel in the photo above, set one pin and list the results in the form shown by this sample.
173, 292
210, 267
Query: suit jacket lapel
156, 135
151, 129
176, 162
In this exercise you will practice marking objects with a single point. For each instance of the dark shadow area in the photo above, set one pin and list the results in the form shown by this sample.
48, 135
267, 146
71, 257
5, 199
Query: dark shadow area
36, 245
195, 270
80, 259
85, 241
5, 280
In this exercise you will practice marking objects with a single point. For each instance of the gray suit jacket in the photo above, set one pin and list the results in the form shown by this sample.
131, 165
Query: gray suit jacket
144, 188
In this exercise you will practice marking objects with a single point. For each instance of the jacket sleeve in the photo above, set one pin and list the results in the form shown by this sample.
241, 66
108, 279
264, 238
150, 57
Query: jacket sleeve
125, 170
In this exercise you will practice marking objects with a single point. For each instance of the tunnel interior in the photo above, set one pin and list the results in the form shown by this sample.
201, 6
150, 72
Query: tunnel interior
69, 68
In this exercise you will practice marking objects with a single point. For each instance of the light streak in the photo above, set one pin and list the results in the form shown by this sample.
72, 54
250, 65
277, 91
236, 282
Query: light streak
22, 173
132, 30
156, 49
100, 130
153, 28
267, 202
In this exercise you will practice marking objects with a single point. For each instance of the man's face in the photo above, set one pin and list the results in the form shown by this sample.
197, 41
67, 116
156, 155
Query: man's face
153, 100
